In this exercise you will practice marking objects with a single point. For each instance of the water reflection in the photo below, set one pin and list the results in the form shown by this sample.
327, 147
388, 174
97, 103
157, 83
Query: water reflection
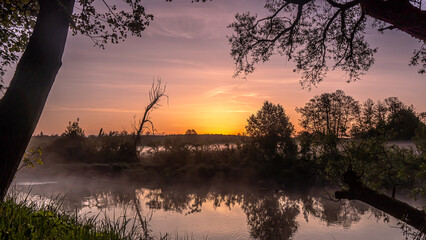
225, 212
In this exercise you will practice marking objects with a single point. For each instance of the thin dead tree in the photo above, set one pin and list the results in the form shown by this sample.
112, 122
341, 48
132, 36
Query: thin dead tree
158, 91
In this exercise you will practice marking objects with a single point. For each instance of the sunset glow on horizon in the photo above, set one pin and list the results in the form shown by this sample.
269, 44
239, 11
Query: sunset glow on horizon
186, 47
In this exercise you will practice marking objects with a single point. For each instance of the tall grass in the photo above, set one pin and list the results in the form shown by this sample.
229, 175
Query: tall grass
23, 217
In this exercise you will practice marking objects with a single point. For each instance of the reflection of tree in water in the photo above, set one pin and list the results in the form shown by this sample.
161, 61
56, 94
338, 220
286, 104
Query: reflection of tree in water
171, 200
272, 216
182, 201
342, 213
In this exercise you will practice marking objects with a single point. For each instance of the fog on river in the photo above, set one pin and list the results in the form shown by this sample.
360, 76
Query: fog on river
233, 211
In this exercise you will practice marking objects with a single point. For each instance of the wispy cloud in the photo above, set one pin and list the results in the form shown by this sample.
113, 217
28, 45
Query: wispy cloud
239, 111
91, 109
218, 91
119, 85
180, 61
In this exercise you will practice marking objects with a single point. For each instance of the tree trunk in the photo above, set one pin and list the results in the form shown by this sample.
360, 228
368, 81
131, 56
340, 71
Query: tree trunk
391, 206
399, 13
22, 104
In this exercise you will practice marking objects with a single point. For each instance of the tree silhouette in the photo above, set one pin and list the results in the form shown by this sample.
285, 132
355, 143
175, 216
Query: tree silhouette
363, 164
390, 118
329, 114
73, 130
316, 32
157, 92
271, 129
191, 132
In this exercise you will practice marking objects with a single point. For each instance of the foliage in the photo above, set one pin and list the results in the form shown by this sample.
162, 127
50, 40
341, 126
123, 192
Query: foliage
73, 130
379, 165
390, 118
32, 157
26, 219
336, 115
316, 34
403, 124
16, 24
330, 114
191, 132
272, 130
420, 139
331, 118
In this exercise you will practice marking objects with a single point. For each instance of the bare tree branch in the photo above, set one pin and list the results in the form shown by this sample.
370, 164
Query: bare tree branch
157, 92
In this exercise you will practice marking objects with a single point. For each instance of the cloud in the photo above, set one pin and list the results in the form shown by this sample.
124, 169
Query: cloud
117, 85
91, 109
218, 91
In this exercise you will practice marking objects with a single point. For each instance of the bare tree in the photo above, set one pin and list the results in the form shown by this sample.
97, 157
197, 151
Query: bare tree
158, 91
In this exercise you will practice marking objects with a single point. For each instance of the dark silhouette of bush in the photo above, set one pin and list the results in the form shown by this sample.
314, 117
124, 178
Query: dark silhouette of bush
403, 124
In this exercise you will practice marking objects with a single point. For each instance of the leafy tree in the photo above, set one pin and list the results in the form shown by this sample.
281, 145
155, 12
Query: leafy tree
403, 124
391, 119
329, 114
365, 165
191, 132
319, 33
272, 129
39, 28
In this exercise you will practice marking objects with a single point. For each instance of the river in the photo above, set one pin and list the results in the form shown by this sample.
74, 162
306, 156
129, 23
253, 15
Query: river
232, 211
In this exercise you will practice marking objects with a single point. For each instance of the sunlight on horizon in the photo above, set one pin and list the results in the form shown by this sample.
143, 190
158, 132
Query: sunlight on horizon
190, 52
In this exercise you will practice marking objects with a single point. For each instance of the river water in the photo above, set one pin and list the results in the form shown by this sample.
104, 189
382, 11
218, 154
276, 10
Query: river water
231, 211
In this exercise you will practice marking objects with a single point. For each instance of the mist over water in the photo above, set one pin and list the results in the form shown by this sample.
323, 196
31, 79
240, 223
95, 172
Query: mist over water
230, 211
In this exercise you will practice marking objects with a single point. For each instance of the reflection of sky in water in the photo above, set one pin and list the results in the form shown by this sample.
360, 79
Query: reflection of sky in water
228, 215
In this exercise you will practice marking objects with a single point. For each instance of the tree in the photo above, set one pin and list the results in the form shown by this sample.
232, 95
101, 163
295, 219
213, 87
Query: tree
157, 92
39, 28
363, 165
330, 114
391, 119
191, 132
272, 129
403, 124
74, 130
315, 32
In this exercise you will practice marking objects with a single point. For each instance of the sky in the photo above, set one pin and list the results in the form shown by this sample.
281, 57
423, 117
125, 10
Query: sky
186, 47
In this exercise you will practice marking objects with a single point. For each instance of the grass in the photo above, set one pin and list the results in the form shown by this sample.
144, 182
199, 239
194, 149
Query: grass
25, 218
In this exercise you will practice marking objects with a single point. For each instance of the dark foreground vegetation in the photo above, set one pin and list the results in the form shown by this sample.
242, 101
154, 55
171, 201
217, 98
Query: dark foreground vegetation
345, 144
25, 219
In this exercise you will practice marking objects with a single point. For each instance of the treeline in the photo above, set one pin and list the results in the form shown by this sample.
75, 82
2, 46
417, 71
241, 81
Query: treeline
342, 116
343, 143
339, 134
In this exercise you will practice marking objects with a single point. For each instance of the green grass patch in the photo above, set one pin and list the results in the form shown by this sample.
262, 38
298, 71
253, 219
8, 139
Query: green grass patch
24, 218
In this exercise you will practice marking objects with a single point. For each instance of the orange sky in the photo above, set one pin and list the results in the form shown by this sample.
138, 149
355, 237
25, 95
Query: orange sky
186, 46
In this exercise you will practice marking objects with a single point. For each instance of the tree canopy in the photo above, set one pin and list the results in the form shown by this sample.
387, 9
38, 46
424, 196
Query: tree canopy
318, 34
271, 129
269, 121
339, 115
329, 114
